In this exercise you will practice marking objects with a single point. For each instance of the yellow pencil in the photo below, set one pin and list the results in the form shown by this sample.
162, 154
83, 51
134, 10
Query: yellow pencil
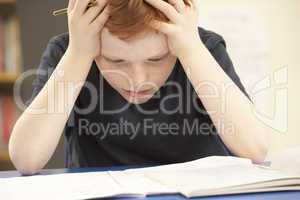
65, 10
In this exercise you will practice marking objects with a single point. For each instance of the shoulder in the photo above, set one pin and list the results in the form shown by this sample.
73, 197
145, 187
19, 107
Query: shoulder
210, 38
55, 49
60, 41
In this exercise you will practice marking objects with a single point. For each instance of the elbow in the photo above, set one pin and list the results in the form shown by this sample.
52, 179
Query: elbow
25, 166
259, 155
257, 151
26, 169
260, 151
259, 147
262, 147
22, 162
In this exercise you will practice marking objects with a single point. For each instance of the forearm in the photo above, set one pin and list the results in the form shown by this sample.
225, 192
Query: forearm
230, 110
38, 130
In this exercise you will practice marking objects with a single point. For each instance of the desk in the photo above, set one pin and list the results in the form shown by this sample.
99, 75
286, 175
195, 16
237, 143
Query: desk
292, 195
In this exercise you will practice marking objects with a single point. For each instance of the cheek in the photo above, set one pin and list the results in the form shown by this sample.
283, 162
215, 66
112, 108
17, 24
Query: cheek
162, 73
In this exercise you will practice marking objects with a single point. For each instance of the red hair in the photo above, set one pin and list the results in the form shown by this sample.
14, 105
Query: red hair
129, 18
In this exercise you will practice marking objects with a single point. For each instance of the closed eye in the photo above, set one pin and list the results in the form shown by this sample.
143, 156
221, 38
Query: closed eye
155, 60
151, 59
114, 61
158, 59
117, 61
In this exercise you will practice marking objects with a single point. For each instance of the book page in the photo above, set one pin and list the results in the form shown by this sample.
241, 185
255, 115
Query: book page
216, 174
61, 186
207, 162
215, 178
138, 183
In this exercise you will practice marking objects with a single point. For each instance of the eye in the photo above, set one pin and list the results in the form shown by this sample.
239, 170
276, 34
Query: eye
156, 60
159, 59
114, 61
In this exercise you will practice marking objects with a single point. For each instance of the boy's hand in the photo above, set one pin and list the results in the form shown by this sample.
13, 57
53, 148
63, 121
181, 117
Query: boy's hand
85, 26
182, 30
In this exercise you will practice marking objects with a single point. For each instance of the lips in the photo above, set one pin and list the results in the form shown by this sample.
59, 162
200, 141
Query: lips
140, 93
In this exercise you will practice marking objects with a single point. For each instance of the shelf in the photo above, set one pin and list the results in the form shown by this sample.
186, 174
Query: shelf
7, 2
8, 78
7, 8
4, 156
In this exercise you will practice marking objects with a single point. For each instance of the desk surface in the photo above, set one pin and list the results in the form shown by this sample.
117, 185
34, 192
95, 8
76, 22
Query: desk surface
289, 195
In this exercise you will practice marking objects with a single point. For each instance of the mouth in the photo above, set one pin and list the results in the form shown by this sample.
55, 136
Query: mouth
138, 94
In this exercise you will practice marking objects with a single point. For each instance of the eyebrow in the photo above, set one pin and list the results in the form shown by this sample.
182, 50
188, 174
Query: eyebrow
159, 56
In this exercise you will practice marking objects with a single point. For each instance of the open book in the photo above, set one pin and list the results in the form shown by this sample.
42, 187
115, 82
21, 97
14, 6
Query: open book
216, 175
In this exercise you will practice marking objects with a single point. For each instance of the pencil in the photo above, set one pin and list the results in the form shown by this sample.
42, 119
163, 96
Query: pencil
65, 10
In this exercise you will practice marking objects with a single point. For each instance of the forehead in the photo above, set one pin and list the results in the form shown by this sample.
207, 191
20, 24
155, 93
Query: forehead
143, 46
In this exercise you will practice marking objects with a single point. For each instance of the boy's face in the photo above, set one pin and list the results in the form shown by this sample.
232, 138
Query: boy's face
138, 68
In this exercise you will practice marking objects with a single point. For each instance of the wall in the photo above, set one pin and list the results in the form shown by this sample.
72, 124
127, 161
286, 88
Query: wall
281, 30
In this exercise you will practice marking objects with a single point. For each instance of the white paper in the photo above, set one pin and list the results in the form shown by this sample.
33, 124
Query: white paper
60, 186
211, 174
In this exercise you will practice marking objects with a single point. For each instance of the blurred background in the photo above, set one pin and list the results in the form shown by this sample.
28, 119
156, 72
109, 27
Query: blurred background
262, 39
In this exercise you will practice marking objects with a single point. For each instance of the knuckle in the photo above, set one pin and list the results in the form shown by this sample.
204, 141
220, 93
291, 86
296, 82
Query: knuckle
93, 29
100, 23
166, 8
70, 15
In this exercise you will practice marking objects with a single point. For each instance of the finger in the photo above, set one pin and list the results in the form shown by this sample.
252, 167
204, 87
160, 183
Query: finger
71, 5
178, 5
94, 11
81, 6
166, 8
163, 27
194, 4
100, 20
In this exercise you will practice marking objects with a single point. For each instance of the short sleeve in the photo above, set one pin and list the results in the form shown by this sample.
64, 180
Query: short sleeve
49, 59
220, 54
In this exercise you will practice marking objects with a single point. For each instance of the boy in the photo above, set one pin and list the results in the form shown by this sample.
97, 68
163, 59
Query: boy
150, 88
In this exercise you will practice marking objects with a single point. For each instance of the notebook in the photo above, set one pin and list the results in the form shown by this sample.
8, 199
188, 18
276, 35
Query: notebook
215, 175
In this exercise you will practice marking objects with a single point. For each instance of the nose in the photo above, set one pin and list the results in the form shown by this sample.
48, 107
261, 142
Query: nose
139, 78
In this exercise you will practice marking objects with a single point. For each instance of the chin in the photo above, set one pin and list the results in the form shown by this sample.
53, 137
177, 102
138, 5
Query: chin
136, 100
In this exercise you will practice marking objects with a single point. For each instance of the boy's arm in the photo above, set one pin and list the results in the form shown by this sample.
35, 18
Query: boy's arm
35, 136
226, 100
38, 130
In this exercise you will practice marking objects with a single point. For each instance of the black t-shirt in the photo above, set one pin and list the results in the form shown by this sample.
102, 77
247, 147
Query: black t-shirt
131, 136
